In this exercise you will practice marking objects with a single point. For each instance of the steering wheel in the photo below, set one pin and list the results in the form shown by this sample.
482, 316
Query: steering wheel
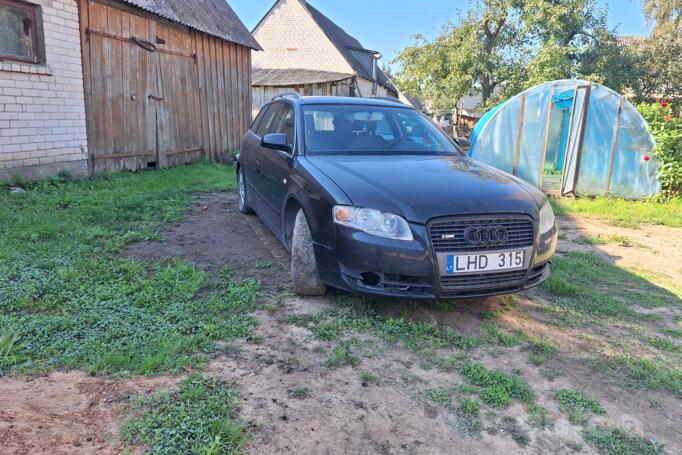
398, 140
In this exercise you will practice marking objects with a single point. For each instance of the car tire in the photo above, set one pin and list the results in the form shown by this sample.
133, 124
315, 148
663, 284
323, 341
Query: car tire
244, 206
304, 274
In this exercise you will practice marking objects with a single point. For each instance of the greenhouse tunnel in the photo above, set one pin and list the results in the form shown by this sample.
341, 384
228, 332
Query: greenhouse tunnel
570, 137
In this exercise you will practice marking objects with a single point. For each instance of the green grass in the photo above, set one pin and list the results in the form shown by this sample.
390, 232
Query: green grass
197, 418
621, 212
606, 239
577, 406
610, 441
589, 285
639, 372
74, 302
665, 344
497, 388
491, 334
355, 314
367, 377
539, 350
299, 392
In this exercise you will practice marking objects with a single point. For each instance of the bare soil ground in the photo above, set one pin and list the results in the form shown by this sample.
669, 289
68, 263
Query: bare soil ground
67, 412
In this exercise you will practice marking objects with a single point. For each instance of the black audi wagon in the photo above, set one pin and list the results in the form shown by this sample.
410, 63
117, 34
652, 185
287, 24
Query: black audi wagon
371, 196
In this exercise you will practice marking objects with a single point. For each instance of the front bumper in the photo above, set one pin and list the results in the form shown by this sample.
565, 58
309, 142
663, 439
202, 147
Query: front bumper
371, 265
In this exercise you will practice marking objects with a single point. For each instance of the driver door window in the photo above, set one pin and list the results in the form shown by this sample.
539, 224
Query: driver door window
284, 122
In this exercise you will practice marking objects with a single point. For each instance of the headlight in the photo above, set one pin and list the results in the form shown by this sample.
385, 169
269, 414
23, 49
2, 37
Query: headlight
546, 218
373, 222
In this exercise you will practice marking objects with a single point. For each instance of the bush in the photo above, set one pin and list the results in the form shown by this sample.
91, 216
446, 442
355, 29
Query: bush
667, 131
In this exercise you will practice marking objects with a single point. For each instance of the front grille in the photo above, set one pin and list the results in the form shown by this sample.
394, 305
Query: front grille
520, 230
483, 280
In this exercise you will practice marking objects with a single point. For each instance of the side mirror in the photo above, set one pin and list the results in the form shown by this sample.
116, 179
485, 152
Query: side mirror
463, 143
276, 141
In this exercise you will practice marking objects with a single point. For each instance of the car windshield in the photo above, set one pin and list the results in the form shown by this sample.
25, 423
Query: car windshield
371, 130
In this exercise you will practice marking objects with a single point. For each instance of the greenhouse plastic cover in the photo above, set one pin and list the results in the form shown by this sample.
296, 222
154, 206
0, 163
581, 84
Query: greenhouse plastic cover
539, 125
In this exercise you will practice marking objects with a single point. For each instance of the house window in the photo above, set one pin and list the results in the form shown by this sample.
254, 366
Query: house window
21, 32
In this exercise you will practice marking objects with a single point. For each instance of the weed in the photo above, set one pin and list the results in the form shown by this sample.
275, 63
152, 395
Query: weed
367, 377
468, 411
197, 418
466, 389
261, 265
498, 389
540, 350
606, 239
539, 417
342, 355
576, 405
300, 392
469, 408
610, 441
643, 372
675, 333
493, 335
665, 344
440, 396
10, 350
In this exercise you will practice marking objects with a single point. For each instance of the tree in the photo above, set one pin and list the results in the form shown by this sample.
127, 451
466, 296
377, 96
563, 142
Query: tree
656, 71
480, 51
501, 47
663, 11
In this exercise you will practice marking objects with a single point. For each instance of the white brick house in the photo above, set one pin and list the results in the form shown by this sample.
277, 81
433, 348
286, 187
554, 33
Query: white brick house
303, 50
42, 108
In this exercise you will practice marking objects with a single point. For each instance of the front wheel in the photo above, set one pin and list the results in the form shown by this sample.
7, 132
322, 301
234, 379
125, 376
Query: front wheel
304, 273
243, 200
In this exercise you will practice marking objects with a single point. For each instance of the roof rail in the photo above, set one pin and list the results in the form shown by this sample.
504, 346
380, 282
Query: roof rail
294, 95
387, 98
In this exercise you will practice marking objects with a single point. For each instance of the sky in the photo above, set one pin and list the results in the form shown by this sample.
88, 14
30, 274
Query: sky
384, 26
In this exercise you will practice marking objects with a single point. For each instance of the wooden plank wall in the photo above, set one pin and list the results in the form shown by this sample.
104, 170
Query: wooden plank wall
190, 98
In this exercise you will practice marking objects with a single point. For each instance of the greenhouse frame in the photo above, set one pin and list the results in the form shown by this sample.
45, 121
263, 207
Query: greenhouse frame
570, 137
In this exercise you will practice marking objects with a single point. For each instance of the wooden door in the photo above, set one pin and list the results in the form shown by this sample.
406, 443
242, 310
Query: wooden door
121, 71
179, 120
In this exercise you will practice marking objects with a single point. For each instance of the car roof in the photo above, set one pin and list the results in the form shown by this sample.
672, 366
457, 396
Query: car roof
346, 100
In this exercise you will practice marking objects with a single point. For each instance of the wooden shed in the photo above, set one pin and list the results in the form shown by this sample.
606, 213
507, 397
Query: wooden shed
166, 81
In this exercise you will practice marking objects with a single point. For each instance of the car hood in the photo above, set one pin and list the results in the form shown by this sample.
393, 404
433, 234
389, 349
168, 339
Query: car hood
422, 187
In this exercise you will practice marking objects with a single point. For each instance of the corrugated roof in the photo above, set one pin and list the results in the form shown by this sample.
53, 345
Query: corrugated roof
359, 58
213, 17
290, 77
631, 40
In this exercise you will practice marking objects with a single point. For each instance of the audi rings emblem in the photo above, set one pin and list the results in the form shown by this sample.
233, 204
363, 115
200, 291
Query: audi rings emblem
486, 235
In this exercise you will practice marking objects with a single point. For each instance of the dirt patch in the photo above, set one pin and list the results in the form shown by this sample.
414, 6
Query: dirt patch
652, 248
66, 413
214, 234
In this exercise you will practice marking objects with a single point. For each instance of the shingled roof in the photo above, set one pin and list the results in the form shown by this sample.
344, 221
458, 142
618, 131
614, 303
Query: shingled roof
359, 58
213, 17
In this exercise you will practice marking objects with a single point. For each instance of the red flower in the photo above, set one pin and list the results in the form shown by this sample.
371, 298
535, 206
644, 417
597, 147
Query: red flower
646, 158
664, 104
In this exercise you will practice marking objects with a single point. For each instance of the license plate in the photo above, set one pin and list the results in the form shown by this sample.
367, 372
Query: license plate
485, 262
